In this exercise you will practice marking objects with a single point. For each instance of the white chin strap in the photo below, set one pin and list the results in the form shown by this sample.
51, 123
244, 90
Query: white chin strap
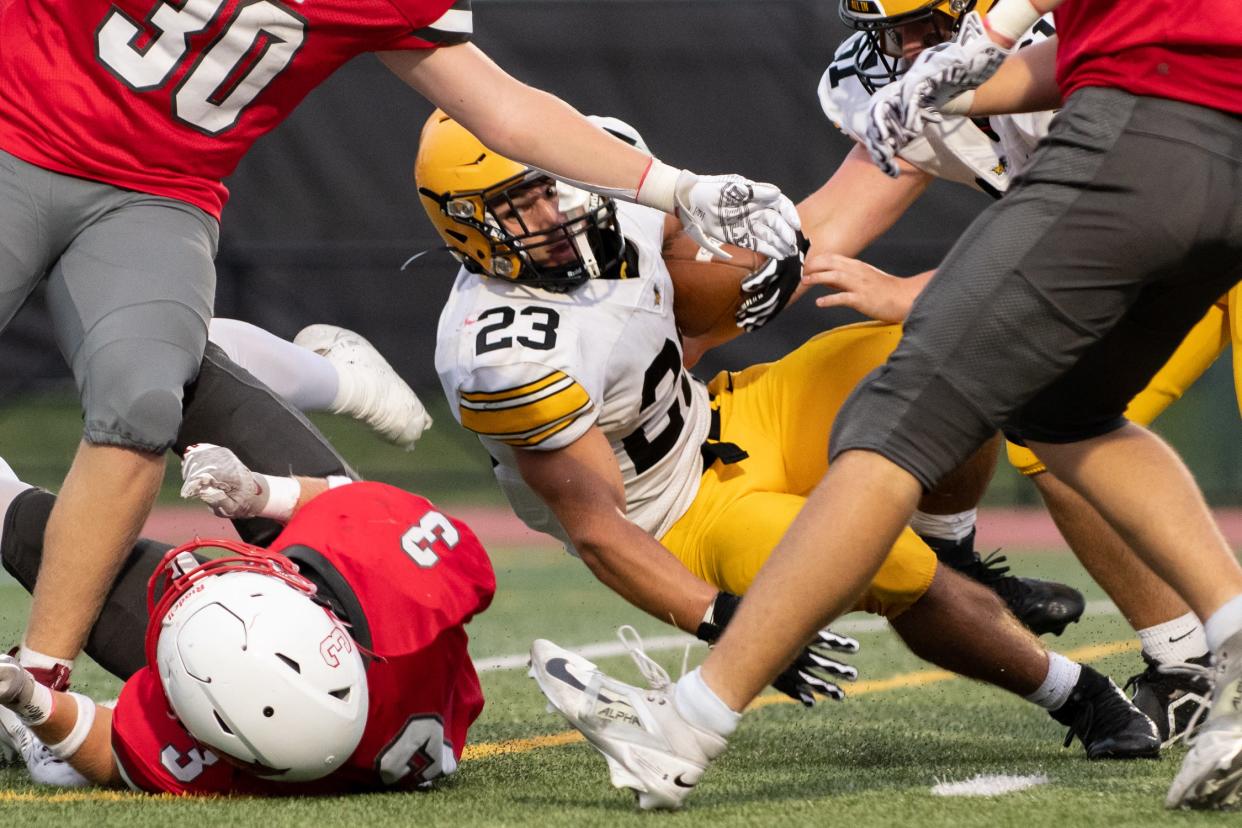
574, 203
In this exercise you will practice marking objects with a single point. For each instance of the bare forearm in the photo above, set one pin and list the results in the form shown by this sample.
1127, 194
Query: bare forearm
1026, 82
858, 204
517, 120
635, 566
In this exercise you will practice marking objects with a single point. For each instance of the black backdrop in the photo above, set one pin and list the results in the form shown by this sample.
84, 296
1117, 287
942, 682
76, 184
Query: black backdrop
323, 212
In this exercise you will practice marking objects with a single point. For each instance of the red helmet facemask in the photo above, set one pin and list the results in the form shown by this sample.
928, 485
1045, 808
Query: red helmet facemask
179, 571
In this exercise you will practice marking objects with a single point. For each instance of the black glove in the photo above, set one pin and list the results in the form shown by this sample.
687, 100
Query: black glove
769, 289
811, 670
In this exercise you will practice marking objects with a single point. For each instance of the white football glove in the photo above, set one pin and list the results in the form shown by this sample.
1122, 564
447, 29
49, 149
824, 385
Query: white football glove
17, 686
730, 209
899, 111
215, 475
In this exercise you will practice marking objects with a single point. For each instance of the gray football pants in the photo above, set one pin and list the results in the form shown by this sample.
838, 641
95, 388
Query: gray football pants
1062, 300
131, 286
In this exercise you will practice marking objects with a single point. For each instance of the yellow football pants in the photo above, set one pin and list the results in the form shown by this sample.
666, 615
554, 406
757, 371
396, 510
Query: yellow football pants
1205, 342
781, 413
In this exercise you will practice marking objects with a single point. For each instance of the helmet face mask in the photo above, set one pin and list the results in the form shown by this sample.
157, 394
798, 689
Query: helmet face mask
511, 222
889, 24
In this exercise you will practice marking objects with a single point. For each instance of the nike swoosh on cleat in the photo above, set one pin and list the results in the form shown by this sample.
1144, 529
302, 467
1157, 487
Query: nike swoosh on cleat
558, 668
677, 781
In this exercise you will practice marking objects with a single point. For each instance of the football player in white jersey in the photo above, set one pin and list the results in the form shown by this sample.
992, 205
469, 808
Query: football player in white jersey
859, 203
558, 346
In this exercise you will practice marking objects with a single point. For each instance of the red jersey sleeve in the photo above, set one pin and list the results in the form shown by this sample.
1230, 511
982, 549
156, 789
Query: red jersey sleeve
434, 24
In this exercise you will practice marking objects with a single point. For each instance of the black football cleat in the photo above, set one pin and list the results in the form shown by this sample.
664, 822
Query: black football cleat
1042, 606
1105, 721
1171, 697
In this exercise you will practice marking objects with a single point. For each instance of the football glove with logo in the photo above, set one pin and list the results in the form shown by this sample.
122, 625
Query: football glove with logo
727, 209
771, 287
812, 672
940, 75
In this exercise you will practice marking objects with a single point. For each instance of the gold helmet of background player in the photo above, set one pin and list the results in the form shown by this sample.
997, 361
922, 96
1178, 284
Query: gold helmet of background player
878, 59
476, 199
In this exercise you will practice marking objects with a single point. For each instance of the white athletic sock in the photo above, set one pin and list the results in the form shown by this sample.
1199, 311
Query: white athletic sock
954, 527
33, 659
1224, 623
1176, 641
304, 378
1058, 684
701, 707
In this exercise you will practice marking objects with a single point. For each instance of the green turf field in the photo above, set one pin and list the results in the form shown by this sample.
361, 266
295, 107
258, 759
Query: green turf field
870, 761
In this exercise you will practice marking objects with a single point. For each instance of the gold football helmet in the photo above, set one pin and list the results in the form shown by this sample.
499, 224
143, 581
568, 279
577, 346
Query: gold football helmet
503, 219
878, 61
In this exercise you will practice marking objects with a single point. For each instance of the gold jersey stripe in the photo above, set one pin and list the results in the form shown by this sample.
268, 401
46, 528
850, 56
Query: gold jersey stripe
521, 421
516, 391
550, 390
536, 439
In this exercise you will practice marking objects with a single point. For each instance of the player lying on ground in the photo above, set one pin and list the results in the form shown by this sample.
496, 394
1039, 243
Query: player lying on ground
859, 203
350, 669
1051, 313
226, 405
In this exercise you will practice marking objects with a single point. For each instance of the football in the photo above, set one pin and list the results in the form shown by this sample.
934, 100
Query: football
707, 290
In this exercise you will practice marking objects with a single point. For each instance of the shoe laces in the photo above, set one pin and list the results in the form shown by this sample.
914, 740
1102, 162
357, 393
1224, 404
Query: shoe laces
657, 677
1187, 676
993, 572
1206, 673
1106, 710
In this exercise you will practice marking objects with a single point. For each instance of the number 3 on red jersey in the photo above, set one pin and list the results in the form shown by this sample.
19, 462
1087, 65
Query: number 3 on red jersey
419, 541
252, 49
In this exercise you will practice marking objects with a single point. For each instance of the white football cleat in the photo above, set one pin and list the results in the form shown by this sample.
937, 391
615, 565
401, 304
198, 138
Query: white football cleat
1211, 773
19, 744
649, 747
370, 390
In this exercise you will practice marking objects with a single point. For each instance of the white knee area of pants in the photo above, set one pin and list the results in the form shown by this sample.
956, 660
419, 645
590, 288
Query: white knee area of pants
700, 706
306, 380
72, 743
10, 488
954, 527
1058, 684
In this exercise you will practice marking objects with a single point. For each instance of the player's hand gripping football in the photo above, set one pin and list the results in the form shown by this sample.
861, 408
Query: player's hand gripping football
940, 75
813, 672
770, 288
730, 209
215, 475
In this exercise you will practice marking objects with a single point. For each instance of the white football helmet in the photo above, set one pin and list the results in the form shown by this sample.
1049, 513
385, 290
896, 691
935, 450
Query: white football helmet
252, 666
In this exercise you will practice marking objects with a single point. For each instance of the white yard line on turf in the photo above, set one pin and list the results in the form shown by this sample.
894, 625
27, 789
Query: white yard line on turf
605, 649
989, 784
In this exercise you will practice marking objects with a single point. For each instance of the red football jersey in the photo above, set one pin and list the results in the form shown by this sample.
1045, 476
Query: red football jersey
165, 96
1159, 48
409, 577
